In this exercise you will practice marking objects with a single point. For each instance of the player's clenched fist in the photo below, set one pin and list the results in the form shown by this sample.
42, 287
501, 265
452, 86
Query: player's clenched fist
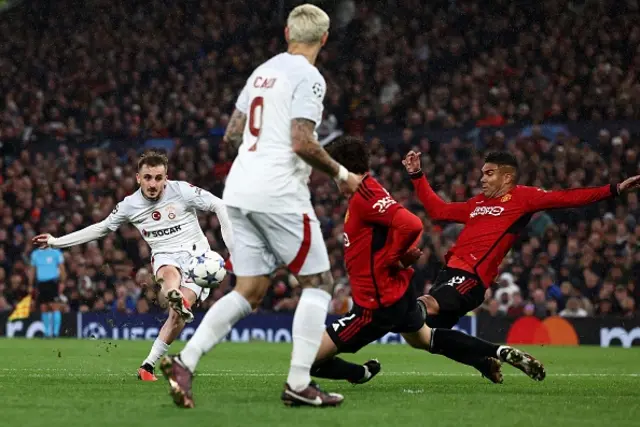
42, 240
412, 162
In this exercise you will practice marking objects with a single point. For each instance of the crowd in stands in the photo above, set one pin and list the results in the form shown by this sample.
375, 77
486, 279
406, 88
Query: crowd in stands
131, 69
80, 73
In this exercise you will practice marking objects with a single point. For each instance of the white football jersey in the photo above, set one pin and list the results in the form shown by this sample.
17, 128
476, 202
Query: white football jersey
267, 176
170, 224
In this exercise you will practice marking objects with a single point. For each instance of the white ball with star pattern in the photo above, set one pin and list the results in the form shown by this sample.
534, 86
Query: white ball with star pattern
206, 270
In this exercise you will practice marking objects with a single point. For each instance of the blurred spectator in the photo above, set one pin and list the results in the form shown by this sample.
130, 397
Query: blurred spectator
506, 289
573, 309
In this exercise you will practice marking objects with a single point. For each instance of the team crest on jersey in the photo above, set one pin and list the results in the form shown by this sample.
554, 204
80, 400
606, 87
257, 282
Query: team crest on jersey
505, 198
171, 212
155, 215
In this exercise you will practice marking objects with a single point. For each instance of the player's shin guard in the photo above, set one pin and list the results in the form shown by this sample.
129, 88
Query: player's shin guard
461, 347
308, 327
216, 325
338, 369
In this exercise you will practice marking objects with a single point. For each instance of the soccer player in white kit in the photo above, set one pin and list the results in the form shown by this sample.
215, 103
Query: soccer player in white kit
165, 213
268, 202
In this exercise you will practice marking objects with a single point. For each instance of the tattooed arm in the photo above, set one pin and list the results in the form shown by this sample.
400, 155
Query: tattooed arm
235, 128
310, 150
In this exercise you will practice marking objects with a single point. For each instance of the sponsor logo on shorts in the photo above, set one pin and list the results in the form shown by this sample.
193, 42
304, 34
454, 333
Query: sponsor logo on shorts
553, 330
163, 232
487, 210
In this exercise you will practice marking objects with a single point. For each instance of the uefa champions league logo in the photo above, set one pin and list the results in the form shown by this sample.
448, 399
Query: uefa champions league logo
94, 331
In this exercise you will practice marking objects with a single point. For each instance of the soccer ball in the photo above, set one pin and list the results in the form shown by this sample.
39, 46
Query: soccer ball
207, 270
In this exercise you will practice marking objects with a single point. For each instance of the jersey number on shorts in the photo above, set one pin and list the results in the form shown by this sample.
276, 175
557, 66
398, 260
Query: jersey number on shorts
342, 322
255, 119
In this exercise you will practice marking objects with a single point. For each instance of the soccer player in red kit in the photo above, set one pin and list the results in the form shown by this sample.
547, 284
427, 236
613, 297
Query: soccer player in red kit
493, 220
380, 244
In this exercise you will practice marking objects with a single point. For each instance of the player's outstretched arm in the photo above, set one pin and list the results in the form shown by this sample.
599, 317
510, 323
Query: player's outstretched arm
539, 199
437, 208
235, 128
87, 234
305, 145
96, 231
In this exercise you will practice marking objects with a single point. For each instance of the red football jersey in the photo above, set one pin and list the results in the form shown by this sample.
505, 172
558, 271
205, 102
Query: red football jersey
492, 225
369, 247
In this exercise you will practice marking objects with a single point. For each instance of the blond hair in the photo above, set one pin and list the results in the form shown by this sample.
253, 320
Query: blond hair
307, 24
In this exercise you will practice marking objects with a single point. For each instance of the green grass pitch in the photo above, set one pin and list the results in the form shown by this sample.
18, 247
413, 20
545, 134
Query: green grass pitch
88, 383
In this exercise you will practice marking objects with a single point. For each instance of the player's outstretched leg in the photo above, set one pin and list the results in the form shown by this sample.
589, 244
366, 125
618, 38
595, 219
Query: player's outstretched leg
307, 331
460, 347
168, 334
465, 349
523, 361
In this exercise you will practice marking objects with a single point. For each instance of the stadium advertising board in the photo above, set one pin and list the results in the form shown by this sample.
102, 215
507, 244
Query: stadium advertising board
32, 327
555, 330
257, 327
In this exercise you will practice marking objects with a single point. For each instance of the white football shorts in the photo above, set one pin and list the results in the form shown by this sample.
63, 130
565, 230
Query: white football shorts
266, 241
181, 261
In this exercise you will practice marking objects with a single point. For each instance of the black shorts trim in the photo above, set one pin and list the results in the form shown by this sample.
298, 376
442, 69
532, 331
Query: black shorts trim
361, 326
457, 293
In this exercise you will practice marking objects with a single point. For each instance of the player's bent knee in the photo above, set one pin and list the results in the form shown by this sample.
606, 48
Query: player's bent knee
322, 281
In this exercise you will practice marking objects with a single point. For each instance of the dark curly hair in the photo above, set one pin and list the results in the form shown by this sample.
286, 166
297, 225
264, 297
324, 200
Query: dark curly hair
350, 152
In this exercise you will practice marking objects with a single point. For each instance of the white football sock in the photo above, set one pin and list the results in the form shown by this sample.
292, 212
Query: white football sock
215, 325
308, 327
158, 350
